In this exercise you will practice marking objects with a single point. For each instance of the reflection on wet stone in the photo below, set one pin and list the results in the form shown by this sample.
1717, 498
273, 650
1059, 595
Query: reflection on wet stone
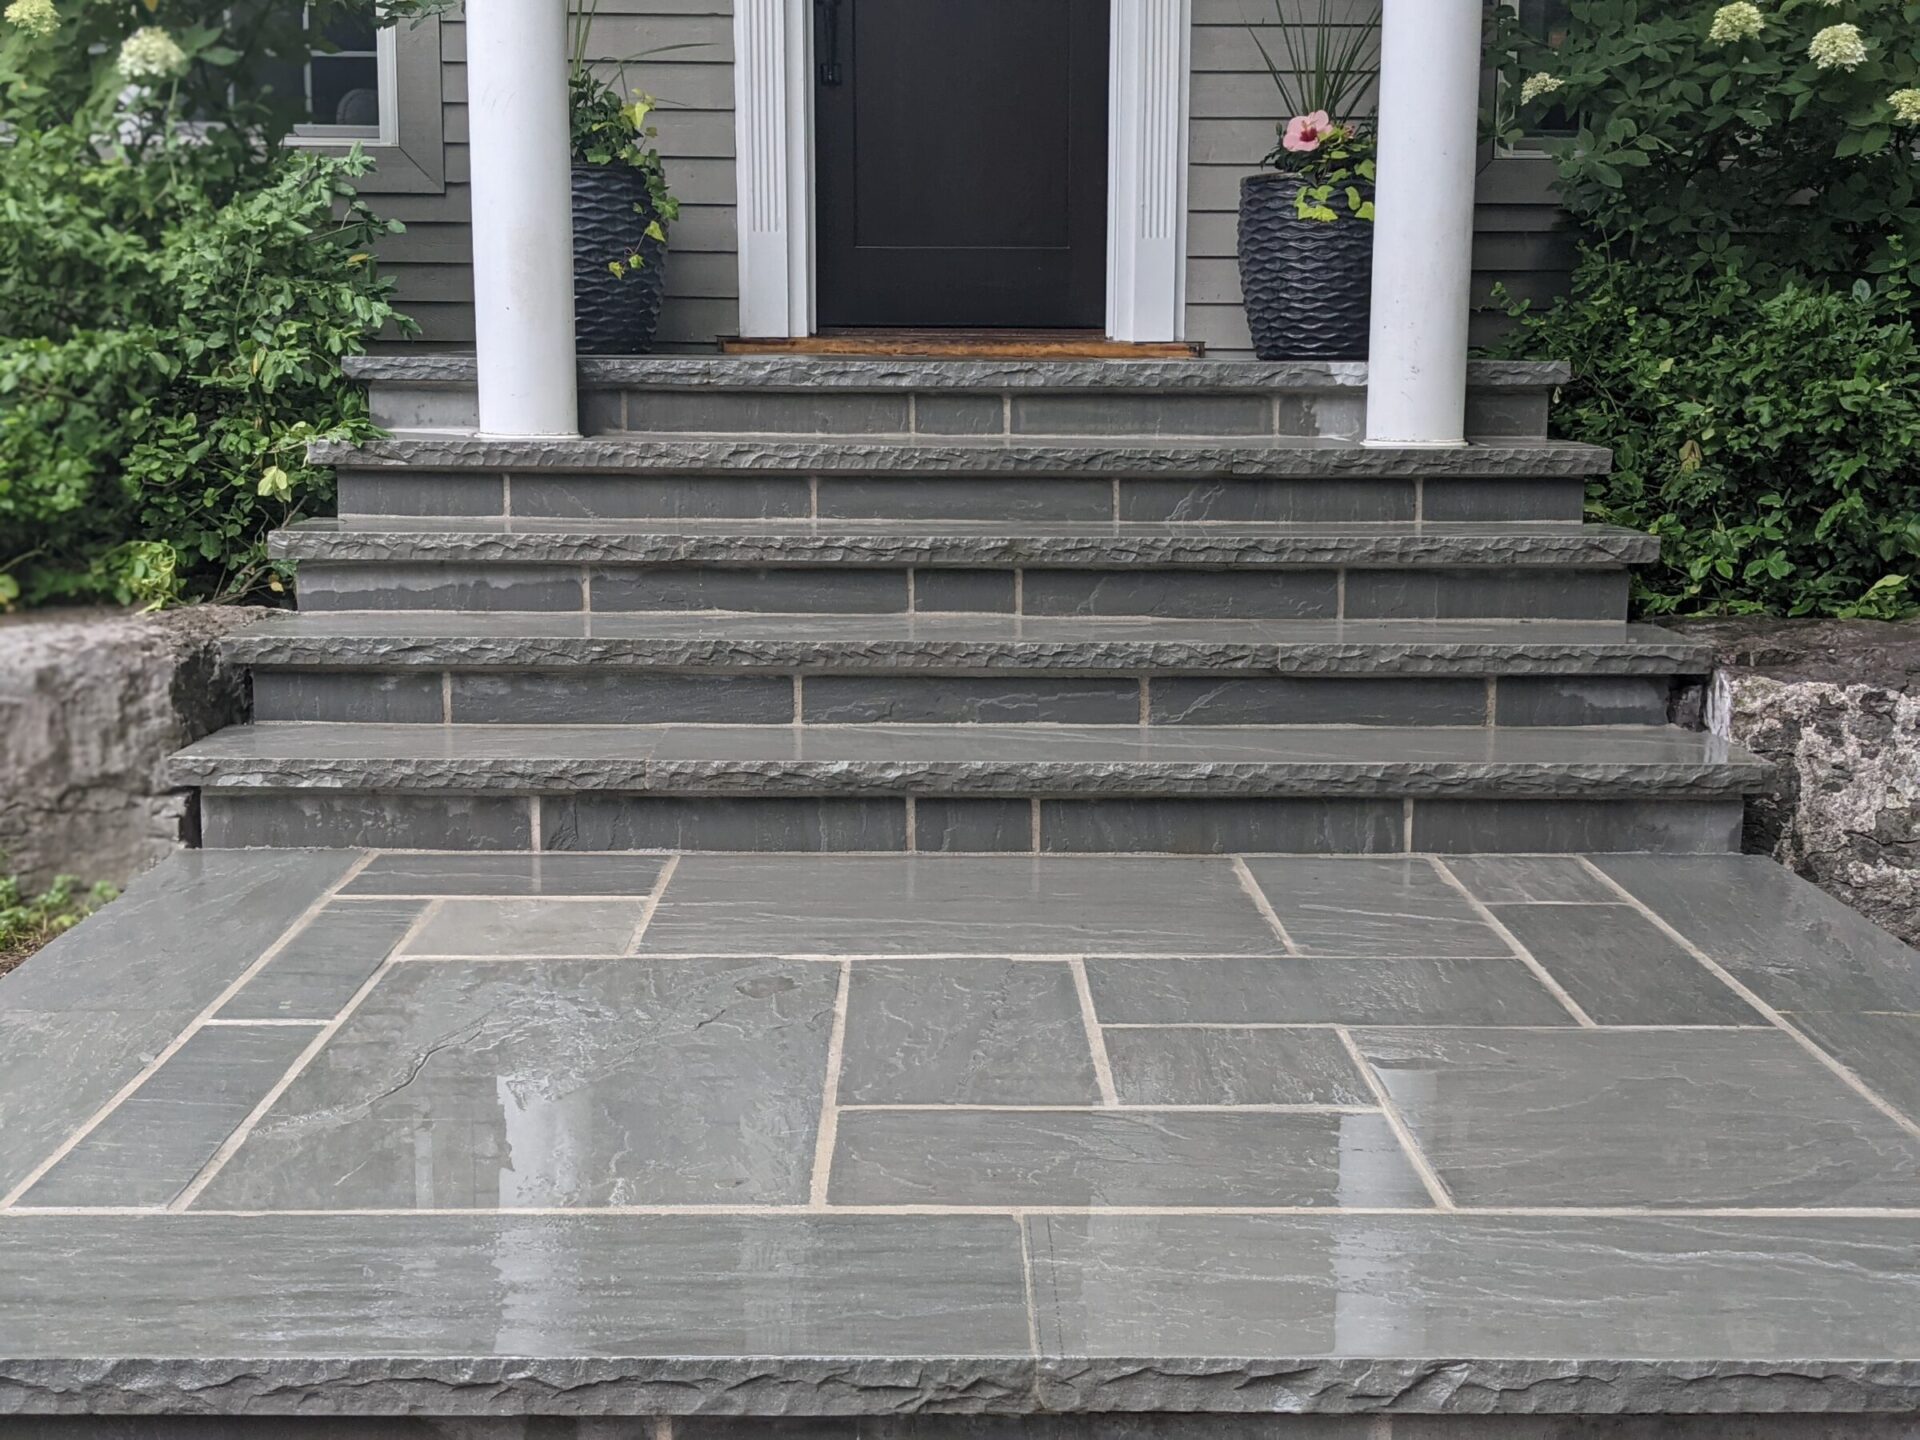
554, 1083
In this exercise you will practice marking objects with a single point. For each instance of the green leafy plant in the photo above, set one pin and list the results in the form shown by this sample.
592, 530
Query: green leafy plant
1324, 71
1335, 165
608, 128
1772, 441
1745, 182
169, 344
143, 65
1777, 137
1327, 62
29, 920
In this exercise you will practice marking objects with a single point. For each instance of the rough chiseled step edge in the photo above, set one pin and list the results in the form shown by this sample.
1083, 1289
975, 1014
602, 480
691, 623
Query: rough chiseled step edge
720, 653
811, 372
1147, 1388
529, 543
683, 455
720, 777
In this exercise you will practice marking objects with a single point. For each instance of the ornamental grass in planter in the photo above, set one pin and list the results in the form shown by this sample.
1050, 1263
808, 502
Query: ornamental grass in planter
621, 210
1306, 219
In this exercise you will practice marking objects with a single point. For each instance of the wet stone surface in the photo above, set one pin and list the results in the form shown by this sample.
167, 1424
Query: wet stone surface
752, 1135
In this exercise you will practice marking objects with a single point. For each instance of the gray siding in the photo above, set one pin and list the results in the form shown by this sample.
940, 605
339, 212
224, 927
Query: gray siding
1232, 127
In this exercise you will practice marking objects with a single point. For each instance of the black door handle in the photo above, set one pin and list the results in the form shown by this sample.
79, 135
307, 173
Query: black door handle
826, 40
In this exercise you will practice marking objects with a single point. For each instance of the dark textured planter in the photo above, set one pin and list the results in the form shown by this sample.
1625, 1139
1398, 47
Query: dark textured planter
614, 314
1307, 285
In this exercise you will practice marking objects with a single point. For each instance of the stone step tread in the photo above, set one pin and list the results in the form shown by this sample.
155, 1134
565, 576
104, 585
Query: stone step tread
734, 453
932, 642
974, 759
817, 372
960, 542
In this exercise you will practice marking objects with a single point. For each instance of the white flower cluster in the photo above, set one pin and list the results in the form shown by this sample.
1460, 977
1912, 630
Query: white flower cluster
1838, 45
1537, 85
1906, 106
36, 17
150, 54
1740, 21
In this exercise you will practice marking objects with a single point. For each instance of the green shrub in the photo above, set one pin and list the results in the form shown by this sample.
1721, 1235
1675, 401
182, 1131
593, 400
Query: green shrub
176, 292
29, 921
166, 352
1741, 320
215, 62
1771, 441
1773, 153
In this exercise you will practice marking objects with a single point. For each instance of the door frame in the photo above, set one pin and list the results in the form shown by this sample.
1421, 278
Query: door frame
1149, 62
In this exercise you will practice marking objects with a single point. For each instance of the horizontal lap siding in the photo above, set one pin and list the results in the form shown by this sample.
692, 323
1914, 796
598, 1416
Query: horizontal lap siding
433, 261
1518, 241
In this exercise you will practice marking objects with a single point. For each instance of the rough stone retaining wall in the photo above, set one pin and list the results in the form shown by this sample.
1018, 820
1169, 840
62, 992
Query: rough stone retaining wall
91, 704
1835, 705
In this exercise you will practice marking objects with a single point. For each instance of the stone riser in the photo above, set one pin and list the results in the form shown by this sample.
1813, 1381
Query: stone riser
607, 696
549, 494
821, 395
1414, 593
1012, 413
613, 821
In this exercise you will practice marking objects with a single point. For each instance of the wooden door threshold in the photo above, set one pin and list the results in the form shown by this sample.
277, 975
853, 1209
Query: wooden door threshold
968, 345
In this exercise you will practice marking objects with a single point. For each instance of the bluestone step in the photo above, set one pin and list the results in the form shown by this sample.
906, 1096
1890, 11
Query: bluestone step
1030, 478
822, 669
968, 787
445, 639
909, 396
1270, 571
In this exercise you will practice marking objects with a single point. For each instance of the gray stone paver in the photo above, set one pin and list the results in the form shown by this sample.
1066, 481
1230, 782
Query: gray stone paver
1660, 1119
484, 1085
150, 1149
528, 928
703, 1176
931, 906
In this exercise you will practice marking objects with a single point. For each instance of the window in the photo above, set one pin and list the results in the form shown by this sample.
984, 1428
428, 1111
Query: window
346, 88
1547, 21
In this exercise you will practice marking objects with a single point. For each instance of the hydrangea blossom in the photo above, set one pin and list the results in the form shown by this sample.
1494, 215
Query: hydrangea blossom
1537, 85
150, 54
1838, 45
1906, 106
1740, 21
36, 17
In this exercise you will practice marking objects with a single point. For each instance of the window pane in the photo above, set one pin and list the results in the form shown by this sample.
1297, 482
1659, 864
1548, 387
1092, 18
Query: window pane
352, 31
346, 90
1546, 20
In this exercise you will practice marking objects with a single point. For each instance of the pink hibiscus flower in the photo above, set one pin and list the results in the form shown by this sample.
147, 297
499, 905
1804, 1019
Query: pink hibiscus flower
1305, 132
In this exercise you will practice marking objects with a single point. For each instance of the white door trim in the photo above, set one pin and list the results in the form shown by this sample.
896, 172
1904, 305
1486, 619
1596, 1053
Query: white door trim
1148, 90
1149, 62
773, 148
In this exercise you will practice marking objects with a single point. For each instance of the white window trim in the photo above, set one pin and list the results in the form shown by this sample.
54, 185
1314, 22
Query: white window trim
409, 153
387, 132
1147, 144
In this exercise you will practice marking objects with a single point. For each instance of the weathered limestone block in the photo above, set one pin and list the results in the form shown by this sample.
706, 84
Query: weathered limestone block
1836, 706
91, 704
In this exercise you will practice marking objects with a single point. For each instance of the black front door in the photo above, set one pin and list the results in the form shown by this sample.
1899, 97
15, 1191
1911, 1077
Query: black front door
961, 162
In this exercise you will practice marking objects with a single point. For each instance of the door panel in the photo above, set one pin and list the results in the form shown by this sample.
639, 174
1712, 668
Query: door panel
961, 162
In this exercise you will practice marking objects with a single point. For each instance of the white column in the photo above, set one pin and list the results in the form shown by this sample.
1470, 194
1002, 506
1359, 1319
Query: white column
1147, 170
1423, 234
522, 216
